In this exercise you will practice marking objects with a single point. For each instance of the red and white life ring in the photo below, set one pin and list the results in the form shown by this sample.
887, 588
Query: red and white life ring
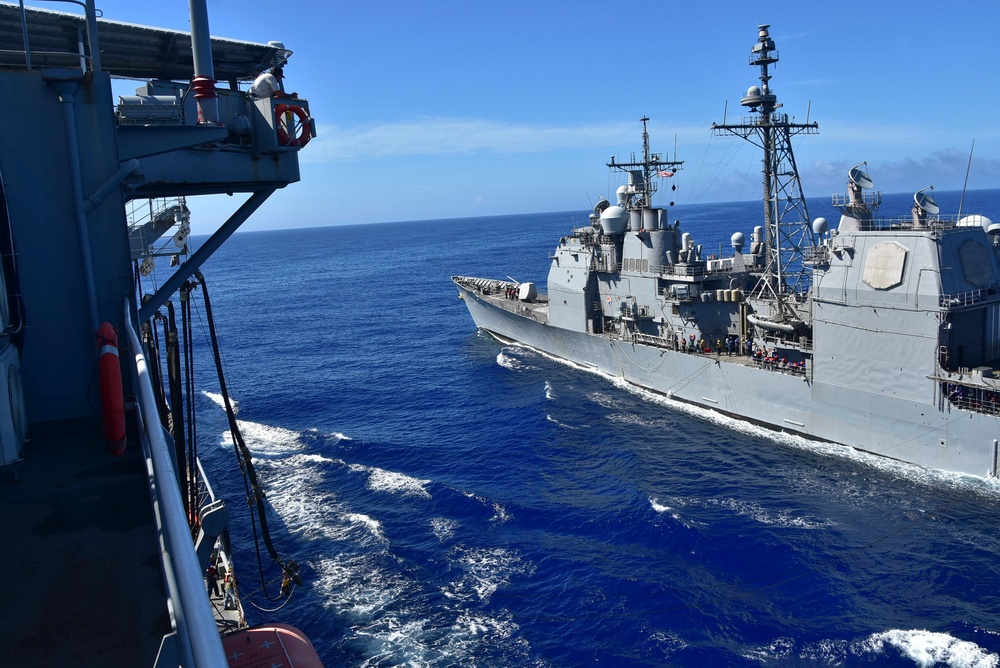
112, 399
283, 138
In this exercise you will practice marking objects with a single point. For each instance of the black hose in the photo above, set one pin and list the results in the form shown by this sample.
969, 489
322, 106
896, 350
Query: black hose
257, 498
176, 400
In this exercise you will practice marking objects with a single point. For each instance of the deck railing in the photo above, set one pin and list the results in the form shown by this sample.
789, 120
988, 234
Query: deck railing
195, 640
87, 53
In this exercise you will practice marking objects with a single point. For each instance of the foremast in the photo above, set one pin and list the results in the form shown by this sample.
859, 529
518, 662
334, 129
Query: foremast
786, 216
638, 194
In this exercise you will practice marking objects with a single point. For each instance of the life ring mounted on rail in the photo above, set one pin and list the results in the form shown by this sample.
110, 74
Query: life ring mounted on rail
284, 137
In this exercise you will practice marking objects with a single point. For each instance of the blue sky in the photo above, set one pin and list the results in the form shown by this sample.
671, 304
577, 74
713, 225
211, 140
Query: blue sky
451, 109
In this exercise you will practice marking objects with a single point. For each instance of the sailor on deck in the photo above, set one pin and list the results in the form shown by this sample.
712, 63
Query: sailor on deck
229, 602
212, 576
268, 84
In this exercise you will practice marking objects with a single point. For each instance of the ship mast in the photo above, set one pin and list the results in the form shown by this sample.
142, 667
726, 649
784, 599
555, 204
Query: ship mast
786, 217
641, 184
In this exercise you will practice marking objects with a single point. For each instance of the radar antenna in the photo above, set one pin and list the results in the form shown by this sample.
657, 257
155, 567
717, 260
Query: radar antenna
641, 184
923, 206
859, 205
786, 216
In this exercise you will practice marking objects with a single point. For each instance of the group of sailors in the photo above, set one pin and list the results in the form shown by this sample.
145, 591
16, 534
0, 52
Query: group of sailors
733, 344
768, 358
972, 398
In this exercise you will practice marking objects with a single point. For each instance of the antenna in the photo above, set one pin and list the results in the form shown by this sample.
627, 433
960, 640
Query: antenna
785, 206
966, 184
925, 201
860, 177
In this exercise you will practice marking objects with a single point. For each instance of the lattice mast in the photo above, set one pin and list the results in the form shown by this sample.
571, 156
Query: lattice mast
786, 216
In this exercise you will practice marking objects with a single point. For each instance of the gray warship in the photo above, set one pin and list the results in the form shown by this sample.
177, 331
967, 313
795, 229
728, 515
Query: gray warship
108, 518
879, 334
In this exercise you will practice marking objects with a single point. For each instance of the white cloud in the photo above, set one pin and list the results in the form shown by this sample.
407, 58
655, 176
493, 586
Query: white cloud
457, 136
945, 169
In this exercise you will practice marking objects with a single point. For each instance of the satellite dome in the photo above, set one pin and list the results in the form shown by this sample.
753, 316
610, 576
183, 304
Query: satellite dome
820, 226
753, 91
974, 220
622, 194
738, 240
614, 220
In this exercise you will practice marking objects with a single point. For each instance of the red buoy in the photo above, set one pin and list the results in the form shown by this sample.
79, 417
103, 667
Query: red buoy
112, 399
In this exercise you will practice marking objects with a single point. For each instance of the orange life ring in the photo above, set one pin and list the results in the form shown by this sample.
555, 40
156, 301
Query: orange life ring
112, 400
283, 138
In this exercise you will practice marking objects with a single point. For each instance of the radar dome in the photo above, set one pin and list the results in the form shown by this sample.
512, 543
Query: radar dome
614, 220
820, 226
974, 220
738, 240
753, 91
622, 194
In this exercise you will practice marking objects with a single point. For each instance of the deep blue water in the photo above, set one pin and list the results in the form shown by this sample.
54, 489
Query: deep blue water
458, 502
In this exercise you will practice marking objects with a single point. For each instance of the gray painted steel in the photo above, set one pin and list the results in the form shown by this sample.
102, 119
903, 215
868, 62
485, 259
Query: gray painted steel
891, 348
73, 161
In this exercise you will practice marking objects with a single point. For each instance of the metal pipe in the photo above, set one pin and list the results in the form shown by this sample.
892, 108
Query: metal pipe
123, 172
996, 453
172, 284
24, 37
200, 644
203, 81
92, 39
67, 96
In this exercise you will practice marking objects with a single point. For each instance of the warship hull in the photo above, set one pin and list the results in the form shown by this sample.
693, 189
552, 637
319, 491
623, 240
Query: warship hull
932, 433
881, 334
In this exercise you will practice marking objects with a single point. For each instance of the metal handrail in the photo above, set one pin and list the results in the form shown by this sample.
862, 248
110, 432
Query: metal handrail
90, 20
199, 643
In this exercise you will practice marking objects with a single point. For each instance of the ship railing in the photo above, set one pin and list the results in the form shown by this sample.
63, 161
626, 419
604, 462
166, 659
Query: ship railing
149, 219
747, 123
774, 363
87, 47
194, 640
967, 298
678, 269
515, 306
816, 255
652, 340
906, 223
975, 399
139, 212
871, 199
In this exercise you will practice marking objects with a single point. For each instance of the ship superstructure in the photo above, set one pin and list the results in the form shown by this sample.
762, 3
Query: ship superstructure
880, 334
107, 554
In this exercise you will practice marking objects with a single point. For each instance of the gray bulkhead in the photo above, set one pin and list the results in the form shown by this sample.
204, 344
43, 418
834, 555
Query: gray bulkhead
571, 286
970, 281
69, 124
878, 321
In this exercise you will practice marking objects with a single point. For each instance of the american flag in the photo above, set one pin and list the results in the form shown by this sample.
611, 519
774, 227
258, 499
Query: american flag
665, 174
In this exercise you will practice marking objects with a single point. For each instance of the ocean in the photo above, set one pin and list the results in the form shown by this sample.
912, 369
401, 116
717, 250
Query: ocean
455, 501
